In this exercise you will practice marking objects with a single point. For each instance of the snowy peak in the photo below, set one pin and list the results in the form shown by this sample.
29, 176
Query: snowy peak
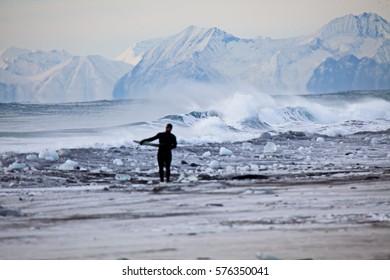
7, 56
372, 25
134, 54
192, 40
194, 35
129, 56
198, 38
13, 52
364, 25
183, 57
82, 78
36, 62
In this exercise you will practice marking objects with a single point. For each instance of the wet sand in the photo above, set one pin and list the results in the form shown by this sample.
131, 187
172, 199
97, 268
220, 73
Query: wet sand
311, 199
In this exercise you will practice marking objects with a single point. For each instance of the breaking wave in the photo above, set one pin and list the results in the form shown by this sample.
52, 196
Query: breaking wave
239, 117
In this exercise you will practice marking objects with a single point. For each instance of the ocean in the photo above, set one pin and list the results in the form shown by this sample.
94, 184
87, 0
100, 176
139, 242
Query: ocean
236, 117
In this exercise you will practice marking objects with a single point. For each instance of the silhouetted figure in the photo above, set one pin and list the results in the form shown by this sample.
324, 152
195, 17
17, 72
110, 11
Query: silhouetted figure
167, 142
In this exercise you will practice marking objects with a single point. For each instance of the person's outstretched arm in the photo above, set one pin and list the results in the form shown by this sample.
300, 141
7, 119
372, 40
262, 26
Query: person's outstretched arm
149, 139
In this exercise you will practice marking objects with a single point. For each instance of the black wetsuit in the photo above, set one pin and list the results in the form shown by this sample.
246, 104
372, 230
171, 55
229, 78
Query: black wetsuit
164, 156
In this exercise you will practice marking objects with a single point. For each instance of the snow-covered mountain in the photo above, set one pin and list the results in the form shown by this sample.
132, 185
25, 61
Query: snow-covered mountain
350, 73
56, 76
181, 57
203, 55
79, 79
348, 53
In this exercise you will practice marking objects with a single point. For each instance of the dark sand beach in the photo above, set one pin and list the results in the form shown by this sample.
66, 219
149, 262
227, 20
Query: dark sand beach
313, 197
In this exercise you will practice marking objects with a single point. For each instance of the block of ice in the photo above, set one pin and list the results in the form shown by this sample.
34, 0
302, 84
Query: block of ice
64, 153
254, 167
270, 147
214, 164
17, 166
50, 155
118, 162
230, 169
32, 157
225, 152
122, 177
69, 165
375, 141
206, 154
247, 146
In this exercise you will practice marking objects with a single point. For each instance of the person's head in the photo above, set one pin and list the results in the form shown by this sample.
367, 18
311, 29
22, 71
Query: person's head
168, 128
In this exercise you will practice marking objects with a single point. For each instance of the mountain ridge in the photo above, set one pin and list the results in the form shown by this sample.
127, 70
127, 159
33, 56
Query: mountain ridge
212, 55
75, 79
206, 56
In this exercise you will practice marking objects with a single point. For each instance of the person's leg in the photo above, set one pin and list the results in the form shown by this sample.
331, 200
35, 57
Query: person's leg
168, 161
160, 159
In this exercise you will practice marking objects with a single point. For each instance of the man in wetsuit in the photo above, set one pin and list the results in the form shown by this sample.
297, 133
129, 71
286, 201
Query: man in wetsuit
167, 142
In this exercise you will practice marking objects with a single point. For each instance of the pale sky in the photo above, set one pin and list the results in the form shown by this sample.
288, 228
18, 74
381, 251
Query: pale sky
107, 27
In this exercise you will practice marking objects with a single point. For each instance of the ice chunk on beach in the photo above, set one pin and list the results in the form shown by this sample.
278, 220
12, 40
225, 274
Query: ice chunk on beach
225, 152
118, 162
247, 146
230, 169
214, 164
64, 153
192, 179
270, 148
254, 167
50, 155
320, 140
17, 166
243, 168
122, 177
375, 141
32, 157
106, 169
265, 135
206, 154
69, 165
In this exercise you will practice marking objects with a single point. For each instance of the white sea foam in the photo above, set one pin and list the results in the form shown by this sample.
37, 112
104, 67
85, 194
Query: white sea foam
239, 116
